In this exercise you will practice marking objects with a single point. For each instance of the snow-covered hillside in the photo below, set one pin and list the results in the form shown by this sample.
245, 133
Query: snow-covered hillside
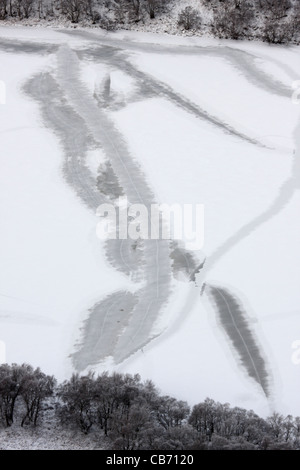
164, 119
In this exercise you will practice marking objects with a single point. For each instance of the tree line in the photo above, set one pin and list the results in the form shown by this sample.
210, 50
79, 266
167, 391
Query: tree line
274, 21
128, 414
108, 14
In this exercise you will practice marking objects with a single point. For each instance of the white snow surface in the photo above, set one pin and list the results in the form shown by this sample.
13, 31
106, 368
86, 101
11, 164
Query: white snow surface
52, 264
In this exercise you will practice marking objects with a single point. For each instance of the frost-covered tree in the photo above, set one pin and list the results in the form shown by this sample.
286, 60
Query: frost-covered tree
171, 412
12, 380
128, 429
275, 32
275, 9
78, 407
27, 7
37, 386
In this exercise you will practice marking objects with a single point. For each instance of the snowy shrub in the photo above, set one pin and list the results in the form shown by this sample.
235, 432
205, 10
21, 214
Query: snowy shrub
275, 9
278, 33
233, 22
107, 24
189, 18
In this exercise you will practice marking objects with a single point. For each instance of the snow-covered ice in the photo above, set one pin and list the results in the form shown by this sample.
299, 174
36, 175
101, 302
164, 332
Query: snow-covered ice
197, 121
